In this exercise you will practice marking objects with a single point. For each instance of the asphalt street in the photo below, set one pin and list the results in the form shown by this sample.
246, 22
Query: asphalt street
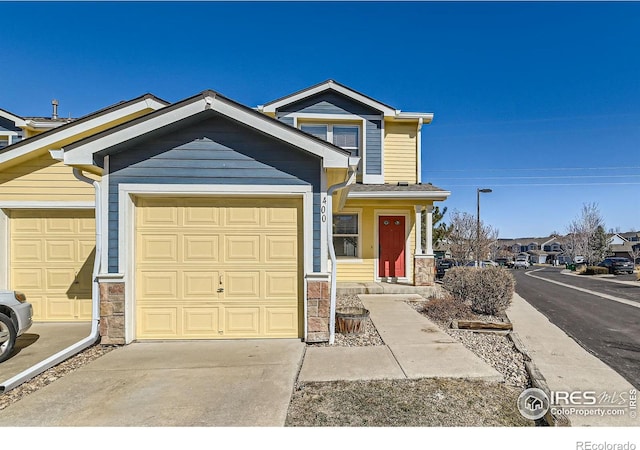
608, 329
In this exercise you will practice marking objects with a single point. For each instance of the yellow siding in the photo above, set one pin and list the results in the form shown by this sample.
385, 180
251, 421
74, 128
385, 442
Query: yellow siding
365, 268
43, 179
400, 144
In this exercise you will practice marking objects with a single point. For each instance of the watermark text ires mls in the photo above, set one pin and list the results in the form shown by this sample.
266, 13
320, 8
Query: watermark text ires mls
534, 403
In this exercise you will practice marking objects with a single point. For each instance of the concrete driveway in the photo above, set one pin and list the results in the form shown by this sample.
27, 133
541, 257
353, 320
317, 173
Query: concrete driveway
196, 383
41, 341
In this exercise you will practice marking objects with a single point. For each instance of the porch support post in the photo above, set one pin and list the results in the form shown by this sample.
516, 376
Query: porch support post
419, 250
429, 227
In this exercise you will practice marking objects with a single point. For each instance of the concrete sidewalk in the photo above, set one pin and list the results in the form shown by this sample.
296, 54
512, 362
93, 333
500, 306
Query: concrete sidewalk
566, 365
415, 348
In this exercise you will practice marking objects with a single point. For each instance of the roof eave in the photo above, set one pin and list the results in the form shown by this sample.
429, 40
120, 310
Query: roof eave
81, 153
400, 195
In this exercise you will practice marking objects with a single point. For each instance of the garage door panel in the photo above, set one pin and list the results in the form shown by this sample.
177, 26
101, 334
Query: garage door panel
61, 225
281, 285
160, 216
201, 213
158, 322
27, 280
62, 279
27, 250
60, 250
201, 321
281, 321
281, 249
51, 261
245, 217
241, 249
242, 322
59, 308
281, 218
153, 247
201, 285
243, 285
200, 248
155, 285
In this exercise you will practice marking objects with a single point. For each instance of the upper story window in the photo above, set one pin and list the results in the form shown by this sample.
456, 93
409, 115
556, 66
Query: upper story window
4, 141
346, 137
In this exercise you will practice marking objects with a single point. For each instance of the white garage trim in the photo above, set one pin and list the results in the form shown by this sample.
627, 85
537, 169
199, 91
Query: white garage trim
126, 225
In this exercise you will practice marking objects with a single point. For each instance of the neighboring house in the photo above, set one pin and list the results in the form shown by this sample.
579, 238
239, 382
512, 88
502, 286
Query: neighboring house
47, 227
540, 250
218, 220
625, 245
14, 128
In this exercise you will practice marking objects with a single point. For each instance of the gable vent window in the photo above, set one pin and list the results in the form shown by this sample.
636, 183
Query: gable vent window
346, 137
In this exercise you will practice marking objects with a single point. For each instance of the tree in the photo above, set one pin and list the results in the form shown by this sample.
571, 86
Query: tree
583, 236
634, 253
462, 239
440, 229
598, 244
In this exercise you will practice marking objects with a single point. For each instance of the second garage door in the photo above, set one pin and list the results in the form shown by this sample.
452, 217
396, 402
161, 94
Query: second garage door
52, 253
210, 268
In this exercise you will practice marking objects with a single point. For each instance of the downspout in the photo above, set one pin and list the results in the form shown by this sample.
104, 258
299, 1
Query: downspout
94, 334
419, 152
351, 177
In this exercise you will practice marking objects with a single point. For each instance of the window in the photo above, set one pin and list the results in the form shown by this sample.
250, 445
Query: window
345, 235
4, 141
344, 136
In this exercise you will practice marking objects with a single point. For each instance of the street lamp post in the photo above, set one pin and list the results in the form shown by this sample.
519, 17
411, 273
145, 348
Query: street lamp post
484, 191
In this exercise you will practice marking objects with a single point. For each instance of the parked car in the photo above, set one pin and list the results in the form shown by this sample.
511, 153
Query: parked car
486, 263
617, 265
521, 262
504, 262
15, 318
442, 265
579, 260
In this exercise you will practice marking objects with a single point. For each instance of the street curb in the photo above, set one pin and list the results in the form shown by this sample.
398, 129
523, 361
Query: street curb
538, 381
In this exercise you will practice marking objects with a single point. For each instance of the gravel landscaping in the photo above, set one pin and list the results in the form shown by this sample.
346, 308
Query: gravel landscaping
424, 402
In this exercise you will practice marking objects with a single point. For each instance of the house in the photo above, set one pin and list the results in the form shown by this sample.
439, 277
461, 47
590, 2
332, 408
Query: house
540, 250
220, 221
14, 128
47, 227
625, 245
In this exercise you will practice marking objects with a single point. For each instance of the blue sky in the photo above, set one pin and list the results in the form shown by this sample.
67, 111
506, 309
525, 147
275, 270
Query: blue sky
538, 101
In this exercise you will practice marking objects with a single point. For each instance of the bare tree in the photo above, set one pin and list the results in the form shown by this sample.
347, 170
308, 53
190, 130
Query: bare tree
462, 239
585, 234
634, 253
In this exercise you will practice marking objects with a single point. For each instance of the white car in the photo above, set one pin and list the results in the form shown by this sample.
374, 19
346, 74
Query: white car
521, 262
15, 318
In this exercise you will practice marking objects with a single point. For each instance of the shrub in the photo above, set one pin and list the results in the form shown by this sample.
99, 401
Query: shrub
596, 270
445, 309
488, 290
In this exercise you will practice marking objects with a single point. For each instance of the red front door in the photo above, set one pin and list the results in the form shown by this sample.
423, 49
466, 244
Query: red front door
391, 236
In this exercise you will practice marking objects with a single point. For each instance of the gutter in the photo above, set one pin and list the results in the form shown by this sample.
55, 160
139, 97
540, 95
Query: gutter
94, 334
351, 178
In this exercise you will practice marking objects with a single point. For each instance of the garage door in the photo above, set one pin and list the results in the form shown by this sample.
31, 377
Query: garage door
51, 261
218, 268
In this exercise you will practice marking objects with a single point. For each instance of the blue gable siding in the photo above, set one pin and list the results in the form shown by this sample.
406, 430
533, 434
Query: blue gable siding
287, 120
210, 150
330, 102
8, 125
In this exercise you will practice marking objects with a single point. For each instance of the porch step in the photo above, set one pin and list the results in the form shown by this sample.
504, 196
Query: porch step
345, 288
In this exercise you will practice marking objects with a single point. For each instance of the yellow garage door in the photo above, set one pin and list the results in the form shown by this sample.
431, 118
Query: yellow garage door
218, 268
51, 261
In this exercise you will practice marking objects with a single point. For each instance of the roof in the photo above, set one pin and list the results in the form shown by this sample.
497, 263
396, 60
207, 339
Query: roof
332, 85
397, 191
54, 135
81, 152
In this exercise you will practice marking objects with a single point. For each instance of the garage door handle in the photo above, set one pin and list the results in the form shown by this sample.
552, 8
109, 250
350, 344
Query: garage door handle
220, 289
